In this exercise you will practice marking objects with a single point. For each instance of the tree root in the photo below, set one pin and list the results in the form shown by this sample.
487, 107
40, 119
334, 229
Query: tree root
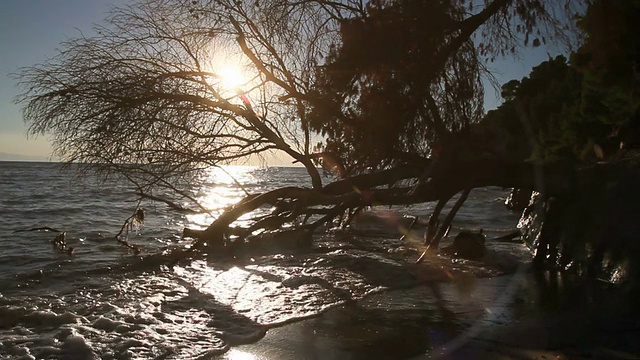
408, 230
432, 225
446, 225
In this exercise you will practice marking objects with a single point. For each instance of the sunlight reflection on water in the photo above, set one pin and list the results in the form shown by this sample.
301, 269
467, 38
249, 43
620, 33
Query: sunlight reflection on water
222, 187
127, 306
235, 354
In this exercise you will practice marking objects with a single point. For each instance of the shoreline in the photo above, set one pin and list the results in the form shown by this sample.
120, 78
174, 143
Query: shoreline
502, 317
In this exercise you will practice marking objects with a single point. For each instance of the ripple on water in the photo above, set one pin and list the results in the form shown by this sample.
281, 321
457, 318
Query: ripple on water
200, 307
142, 317
104, 303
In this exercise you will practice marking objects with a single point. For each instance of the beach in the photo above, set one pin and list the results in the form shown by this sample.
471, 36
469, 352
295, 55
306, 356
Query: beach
499, 318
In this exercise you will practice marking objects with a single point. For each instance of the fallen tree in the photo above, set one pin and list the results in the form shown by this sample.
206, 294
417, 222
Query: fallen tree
391, 90
295, 206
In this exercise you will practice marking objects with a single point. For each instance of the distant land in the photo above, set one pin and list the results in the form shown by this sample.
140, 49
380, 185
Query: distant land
20, 157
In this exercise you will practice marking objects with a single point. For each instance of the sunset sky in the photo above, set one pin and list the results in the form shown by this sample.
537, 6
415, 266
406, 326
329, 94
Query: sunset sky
31, 31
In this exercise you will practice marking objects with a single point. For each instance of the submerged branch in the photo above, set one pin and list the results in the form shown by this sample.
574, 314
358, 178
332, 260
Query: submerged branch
45, 228
132, 221
169, 203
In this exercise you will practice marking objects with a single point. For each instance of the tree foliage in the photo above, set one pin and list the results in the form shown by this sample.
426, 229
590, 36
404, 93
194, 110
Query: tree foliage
584, 114
381, 98
536, 108
409, 74
609, 60
580, 110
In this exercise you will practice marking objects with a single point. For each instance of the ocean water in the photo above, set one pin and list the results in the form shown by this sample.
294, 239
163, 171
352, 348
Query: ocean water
107, 302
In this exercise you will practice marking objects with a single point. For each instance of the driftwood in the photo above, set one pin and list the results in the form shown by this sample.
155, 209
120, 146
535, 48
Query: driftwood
512, 237
60, 244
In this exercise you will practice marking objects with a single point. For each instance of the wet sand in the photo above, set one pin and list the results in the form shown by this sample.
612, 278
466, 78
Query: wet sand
520, 316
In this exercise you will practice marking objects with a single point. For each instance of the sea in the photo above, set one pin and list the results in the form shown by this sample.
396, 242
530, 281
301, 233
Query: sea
106, 301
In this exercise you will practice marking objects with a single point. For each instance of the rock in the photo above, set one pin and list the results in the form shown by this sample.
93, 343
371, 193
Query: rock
468, 245
592, 230
532, 219
518, 199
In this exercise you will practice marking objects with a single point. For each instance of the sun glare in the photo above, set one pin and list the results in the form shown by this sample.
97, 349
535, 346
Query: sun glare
235, 354
231, 77
222, 187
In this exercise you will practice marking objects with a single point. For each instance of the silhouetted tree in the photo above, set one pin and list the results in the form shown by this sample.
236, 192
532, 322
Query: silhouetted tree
409, 74
390, 89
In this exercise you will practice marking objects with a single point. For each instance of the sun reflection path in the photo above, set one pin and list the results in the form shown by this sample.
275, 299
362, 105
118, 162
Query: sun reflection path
222, 188
235, 354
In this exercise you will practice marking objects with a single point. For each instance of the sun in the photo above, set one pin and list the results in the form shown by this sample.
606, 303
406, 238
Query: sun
231, 77
230, 69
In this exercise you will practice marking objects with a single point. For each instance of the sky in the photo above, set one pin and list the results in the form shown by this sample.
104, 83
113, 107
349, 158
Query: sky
32, 30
